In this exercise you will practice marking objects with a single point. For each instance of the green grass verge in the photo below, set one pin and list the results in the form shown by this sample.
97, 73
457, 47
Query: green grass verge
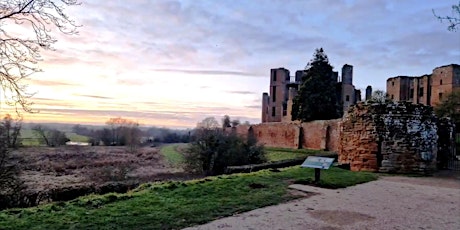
279, 154
175, 205
77, 137
174, 157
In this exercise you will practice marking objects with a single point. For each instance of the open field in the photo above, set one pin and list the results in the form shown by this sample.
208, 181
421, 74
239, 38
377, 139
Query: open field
28, 137
86, 168
174, 205
46, 169
67, 172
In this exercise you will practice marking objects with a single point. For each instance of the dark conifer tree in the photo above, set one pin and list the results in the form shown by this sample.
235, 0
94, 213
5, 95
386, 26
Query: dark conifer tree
317, 99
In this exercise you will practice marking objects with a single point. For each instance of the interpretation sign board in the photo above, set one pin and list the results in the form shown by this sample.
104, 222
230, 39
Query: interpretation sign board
317, 162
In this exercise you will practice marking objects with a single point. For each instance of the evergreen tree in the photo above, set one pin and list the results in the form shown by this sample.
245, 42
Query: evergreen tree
316, 99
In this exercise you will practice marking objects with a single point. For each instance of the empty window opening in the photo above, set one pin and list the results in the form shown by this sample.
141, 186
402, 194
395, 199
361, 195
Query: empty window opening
274, 93
347, 98
273, 111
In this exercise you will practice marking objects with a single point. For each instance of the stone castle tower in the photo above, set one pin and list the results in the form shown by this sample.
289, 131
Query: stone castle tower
277, 105
429, 89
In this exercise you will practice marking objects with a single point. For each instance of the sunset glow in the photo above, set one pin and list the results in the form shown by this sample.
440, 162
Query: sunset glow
173, 63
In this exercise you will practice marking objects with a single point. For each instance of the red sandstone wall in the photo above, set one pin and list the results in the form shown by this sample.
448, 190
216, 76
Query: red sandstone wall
333, 135
314, 135
400, 138
358, 143
321, 135
277, 134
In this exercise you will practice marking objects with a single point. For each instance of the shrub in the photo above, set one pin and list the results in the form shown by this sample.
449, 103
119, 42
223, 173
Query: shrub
213, 150
10, 183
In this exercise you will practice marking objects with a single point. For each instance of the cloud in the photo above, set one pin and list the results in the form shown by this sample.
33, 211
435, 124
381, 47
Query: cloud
40, 82
254, 106
242, 92
94, 96
207, 72
159, 43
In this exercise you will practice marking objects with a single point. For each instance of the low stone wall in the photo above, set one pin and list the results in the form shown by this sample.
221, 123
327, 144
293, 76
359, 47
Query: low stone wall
321, 135
277, 134
399, 137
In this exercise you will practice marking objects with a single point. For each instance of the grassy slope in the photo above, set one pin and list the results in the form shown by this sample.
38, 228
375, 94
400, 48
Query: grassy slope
174, 205
174, 157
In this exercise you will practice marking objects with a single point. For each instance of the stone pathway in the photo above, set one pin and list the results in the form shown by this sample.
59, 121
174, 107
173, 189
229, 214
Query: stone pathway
389, 203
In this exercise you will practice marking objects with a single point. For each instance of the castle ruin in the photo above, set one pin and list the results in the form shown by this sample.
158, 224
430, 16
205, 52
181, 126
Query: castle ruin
429, 89
277, 105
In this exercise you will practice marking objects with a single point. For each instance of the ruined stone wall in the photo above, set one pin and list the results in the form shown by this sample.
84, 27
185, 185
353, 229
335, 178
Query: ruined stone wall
241, 130
333, 135
310, 135
320, 135
359, 140
277, 134
400, 137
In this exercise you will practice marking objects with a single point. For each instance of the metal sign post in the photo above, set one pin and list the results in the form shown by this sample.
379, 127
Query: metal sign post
317, 163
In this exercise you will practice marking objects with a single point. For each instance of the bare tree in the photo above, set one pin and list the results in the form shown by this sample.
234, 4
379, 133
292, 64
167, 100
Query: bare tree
50, 137
132, 136
235, 122
454, 20
12, 130
116, 125
25, 30
41, 132
10, 182
124, 132
208, 123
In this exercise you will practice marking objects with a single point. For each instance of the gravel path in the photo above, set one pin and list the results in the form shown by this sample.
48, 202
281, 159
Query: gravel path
388, 203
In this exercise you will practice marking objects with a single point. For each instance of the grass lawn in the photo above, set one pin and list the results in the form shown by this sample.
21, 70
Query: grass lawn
175, 205
279, 154
174, 157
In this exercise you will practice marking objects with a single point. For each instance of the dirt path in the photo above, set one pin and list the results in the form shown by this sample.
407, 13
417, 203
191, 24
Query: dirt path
389, 203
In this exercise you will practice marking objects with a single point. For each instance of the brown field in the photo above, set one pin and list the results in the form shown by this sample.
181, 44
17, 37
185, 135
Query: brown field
85, 169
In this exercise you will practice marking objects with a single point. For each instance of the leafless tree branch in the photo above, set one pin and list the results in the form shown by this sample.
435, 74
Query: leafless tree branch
454, 20
19, 51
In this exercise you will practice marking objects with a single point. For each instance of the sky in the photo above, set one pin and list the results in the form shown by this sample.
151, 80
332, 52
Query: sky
173, 63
